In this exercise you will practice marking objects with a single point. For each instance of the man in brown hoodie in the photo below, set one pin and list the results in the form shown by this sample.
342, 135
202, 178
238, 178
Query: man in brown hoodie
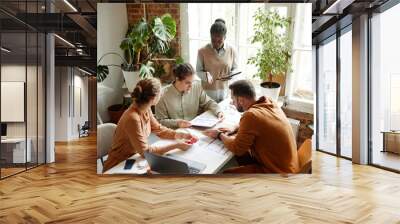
264, 135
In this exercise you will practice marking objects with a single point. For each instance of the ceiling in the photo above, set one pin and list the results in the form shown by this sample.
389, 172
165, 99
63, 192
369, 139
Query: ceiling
72, 20
331, 15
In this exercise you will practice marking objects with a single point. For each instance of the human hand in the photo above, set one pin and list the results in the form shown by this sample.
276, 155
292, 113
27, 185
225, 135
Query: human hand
183, 135
225, 129
212, 133
184, 124
191, 141
220, 115
183, 146
209, 78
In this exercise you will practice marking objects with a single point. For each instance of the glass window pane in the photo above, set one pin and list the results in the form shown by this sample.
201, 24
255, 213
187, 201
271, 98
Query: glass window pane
385, 87
41, 99
13, 82
346, 94
225, 11
301, 77
22, 76
327, 97
31, 101
246, 21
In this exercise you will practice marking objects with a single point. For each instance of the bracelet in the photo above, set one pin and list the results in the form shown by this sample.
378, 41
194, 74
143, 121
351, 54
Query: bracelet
219, 135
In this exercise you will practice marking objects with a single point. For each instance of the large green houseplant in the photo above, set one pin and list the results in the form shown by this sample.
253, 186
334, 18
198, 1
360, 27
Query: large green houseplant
144, 42
273, 57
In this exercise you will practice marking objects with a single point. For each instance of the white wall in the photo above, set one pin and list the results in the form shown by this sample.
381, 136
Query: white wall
33, 127
17, 73
14, 73
80, 83
67, 115
112, 24
61, 103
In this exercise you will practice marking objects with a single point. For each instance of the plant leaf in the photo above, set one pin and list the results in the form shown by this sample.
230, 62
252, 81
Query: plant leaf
102, 72
271, 32
146, 70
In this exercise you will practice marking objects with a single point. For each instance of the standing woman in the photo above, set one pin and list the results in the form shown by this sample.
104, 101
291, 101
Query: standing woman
137, 123
216, 60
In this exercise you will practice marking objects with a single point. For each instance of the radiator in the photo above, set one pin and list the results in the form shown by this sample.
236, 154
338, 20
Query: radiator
391, 141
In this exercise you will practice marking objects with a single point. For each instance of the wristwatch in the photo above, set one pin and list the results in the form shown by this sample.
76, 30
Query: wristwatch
219, 135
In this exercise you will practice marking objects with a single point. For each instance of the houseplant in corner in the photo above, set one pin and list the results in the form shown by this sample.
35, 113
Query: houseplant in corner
273, 58
144, 42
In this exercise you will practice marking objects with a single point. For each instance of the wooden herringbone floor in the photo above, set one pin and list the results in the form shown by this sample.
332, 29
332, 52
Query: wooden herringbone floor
69, 191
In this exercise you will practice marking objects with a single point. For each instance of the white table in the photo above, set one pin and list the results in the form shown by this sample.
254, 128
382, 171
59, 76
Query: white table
18, 149
208, 151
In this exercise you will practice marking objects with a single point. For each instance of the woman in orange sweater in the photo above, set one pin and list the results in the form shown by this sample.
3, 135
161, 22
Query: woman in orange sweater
137, 123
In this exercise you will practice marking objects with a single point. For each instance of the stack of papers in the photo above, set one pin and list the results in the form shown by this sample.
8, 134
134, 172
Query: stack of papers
206, 120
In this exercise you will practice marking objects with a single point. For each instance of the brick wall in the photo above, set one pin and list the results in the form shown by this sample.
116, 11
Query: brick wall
136, 12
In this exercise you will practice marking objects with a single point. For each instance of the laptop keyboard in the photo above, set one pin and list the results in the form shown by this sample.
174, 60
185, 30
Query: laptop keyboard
193, 170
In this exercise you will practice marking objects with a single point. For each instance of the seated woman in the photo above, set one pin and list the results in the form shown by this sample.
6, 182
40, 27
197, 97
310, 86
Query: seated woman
137, 123
184, 99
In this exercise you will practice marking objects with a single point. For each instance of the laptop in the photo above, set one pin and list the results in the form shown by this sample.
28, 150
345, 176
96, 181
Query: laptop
171, 164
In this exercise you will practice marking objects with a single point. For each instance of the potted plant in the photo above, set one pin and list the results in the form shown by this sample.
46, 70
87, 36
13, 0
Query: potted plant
164, 66
273, 57
144, 41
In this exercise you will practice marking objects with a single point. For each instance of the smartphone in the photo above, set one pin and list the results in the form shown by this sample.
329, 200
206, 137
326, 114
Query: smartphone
128, 164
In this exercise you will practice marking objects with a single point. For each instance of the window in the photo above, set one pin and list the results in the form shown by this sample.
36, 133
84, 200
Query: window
385, 85
22, 67
334, 106
327, 96
301, 86
200, 17
239, 21
346, 94
246, 49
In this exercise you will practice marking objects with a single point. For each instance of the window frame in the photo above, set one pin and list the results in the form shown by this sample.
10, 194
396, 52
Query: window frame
295, 102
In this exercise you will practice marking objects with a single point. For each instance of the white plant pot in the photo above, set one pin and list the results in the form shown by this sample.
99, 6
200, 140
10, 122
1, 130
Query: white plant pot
273, 92
131, 79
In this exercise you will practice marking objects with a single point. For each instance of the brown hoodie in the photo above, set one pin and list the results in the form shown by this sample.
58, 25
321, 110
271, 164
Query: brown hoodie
265, 132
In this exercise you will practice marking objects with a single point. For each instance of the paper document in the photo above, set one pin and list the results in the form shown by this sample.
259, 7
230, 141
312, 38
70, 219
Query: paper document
217, 147
207, 120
